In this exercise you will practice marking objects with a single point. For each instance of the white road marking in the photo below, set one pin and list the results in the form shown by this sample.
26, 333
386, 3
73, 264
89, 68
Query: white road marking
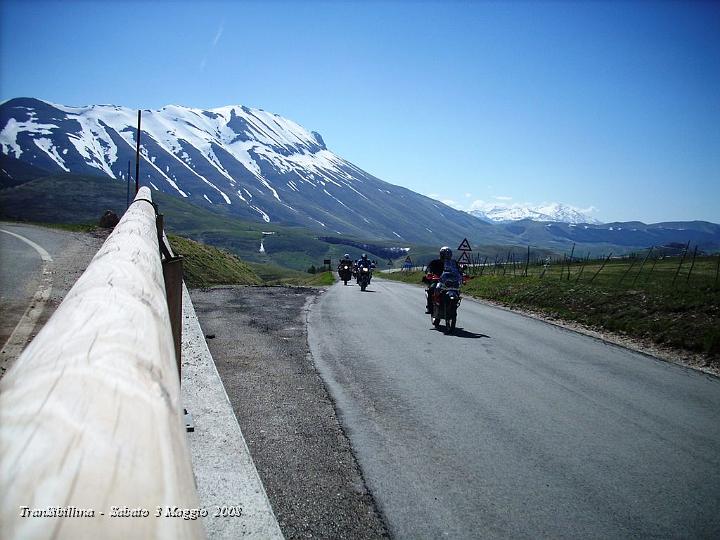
19, 337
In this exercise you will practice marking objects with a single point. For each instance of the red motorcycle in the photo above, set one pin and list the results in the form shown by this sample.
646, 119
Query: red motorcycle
445, 298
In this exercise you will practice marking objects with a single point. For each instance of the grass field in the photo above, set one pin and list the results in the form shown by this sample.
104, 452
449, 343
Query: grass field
204, 266
677, 309
278, 275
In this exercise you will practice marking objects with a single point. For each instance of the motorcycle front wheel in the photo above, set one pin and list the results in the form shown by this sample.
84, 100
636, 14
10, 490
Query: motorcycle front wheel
450, 325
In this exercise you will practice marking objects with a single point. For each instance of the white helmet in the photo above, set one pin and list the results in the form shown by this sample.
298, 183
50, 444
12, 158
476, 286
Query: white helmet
445, 253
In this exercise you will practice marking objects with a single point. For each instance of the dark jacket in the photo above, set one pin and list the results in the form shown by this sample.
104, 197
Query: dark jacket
437, 267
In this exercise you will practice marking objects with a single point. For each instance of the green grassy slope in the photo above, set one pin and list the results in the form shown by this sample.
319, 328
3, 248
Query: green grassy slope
205, 265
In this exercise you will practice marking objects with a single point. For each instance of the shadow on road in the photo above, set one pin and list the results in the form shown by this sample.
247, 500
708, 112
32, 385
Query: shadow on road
462, 333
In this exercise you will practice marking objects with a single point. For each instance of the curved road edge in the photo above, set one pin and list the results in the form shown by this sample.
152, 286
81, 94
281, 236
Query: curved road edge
19, 337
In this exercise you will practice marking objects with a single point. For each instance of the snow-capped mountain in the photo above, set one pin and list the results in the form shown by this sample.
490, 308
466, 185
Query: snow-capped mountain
556, 212
245, 162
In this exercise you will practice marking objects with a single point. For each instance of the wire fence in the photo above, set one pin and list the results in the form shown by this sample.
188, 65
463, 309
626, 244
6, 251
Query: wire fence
673, 267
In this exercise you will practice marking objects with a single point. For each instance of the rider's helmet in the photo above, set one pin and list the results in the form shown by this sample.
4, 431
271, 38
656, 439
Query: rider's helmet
347, 255
445, 253
364, 256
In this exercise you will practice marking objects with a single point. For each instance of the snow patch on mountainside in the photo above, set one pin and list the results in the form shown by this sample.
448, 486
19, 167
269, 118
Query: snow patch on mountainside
249, 136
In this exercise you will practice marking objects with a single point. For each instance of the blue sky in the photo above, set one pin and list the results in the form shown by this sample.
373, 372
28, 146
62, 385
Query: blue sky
611, 106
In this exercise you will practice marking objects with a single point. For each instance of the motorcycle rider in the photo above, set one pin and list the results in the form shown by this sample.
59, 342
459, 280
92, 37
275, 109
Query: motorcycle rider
437, 266
363, 262
346, 260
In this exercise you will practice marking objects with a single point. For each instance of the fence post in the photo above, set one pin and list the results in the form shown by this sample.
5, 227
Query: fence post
527, 261
545, 265
632, 263
643, 264
655, 260
572, 252
601, 267
682, 258
582, 268
692, 265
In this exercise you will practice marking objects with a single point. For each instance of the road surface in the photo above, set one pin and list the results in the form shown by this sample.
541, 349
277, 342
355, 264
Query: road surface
513, 427
37, 267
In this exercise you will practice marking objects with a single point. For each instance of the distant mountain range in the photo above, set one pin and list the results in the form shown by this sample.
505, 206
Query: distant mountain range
253, 165
616, 237
554, 212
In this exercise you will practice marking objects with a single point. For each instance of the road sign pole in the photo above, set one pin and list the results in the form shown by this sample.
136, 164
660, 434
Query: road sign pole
137, 157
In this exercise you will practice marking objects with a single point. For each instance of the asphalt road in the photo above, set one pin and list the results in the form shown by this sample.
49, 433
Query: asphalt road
514, 427
20, 272
22, 278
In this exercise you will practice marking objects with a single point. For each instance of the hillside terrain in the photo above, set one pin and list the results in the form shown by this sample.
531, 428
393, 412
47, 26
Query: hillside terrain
67, 198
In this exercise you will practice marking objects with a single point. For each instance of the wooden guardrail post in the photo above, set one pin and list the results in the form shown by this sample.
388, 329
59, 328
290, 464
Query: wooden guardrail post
92, 439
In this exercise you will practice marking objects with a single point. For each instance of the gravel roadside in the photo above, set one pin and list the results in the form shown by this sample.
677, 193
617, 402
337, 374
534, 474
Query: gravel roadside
258, 338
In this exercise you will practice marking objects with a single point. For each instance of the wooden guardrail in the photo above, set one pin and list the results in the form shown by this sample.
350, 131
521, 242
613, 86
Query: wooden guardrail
92, 439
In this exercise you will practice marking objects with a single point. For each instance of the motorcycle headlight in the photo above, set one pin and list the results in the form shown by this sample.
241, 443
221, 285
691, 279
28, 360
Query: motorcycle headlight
365, 269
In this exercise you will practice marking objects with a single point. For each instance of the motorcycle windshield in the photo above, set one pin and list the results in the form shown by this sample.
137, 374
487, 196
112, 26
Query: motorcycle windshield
450, 280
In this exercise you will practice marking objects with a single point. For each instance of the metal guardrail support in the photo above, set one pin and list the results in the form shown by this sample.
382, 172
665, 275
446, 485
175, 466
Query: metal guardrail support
172, 266
90, 416
173, 277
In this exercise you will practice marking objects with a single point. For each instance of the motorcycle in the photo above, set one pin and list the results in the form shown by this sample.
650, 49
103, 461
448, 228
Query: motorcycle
364, 276
345, 273
445, 299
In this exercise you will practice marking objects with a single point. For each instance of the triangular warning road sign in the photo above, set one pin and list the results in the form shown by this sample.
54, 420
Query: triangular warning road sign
464, 259
464, 246
408, 260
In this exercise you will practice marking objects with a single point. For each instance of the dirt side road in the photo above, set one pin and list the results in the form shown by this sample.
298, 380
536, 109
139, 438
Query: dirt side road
302, 455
